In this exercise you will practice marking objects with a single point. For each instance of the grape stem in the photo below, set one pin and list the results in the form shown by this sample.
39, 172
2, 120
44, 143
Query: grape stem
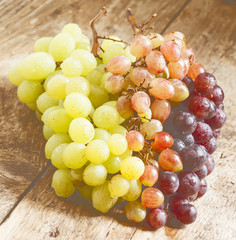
114, 40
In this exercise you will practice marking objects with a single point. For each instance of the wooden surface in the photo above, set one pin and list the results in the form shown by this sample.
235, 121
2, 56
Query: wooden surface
29, 208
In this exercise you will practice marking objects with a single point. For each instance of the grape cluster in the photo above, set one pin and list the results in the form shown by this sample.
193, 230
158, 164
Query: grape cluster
133, 122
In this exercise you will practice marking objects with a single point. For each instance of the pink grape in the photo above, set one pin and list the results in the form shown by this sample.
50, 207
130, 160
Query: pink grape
194, 70
135, 140
178, 40
150, 176
171, 51
160, 110
157, 218
178, 69
119, 65
156, 62
124, 107
177, 34
152, 198
114, 84
140, 46
140, 102
162, 141
188, 53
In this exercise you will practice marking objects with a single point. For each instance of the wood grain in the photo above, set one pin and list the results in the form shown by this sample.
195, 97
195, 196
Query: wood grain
210, 28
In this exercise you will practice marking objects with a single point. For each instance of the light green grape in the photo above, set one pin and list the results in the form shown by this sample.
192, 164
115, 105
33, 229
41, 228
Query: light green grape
87, 60
118, 186
44, 102
106, 43
126, 154
135, 211
42, 44
135, 190
83, 45
101, 134
14, 75
118, 129
62, 46
132, 168
98, 96
37, 66
113, 164
117, 144
76, 175
104, 78
94, 174
113, 104
49, 77
47, 132
74, 30
38, 115
129, 55
29, 91
97, 151
74, 155
81, 130
32, 106
47, 113
112, 51
57, 156
62, 184
78, 84
102, 199
56, 87
71, 67
85, 190
146, 116
54, 141
95, 76
77, 105
106, 117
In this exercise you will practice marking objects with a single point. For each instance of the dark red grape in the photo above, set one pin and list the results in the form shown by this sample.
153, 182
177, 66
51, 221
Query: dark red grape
212, 110
199, 106
193, 197
205, 83
189, 82
187, 139
173, 222
221, 106
218, 120
157, 218
202, 133
216, 133
202, 172
175, 201
178, 145
217, 96
168, 182
210, 145
203, 188
210, 164
186, 213
189, 184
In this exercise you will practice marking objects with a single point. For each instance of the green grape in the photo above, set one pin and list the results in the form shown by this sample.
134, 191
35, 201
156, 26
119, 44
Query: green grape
106, 117
126, 154
62, 46
84, 45
71, 67
49, 77
62, 184
146, 116
54, 141
112, 51
135, 190
87, 60
95, 76
101, 134
97, 151
14, 75
77, 105
135, 211
56, 87
94, 174
47, 132
106, 43
128, 54
38, 115
102, 199
104, 78
74, 155
78, 84
85, 190
117, 144
111, 104
74, 30
98, 96
29, 91
42, 44
57, 156
60, 102
83, 39
118, 129
44, 102
118, 186
132, 168
37, 66
47, 113
32, 106
76, 175
81, 130
113, 164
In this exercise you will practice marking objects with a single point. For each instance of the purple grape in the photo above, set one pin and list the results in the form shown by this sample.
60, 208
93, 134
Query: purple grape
202, 172
168, 182
199, 106
216, 133
205, 83
186, 213
217, 96
157, 218
210, 145
210, 164
189, 82
218, 120
173, 222
203, 188
175, 201
202, 133
178, 145
187, 139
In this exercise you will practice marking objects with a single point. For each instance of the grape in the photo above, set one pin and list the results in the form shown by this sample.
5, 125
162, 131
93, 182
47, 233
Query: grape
106, 43
205, 83
44, 102
62, 184
189, 184
140, 46
118, 186
50, 76
112, 51
124, 107
135, 190
141, 75
95, 76
140, 102
160, 110
157, 218
102, 134
106, 117
72, 67
114, 84
57, 156
84, 190
135, 140
119, 65
170, 160
81, 130
217, 95
210, 164
178, 145
203, 188
194, 70
126, 154
173, 222
187, 139
76, 176
162, 88
171, 51
188, 53
79, 85
202, 133
156, 40
189, 83
62, 46
180, 89
42, 44
176, 37
175, 201
210, 145
98, 96
87, 60
117, 144
105, 77
152, 198
14, 75
194, 157
178, 69
29, 91
118, 129
176, 34
132, 168
218, 120
216, 133
150, 176
212, 110
128, 54
135, 211
113, 164
74, 30
186, 213
47, 132
150, 128
97, 151
202, 172
161, 141
84, 43
94, 174
156, 62
102, 199
168, 182
146, 116
193, 197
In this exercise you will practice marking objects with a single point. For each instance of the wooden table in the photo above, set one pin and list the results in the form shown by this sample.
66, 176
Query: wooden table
29, 208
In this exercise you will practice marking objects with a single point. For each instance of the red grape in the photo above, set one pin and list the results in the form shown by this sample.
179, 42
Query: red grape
186, 213
140, 46
202, 172
157, 218
210, 164
168, 182
217, 95
124, 107
119, 65
202, 133
218, 120
175, 201
140, 102
171, 51
210, 145
150, 176
216, 133
135, 140
194, 70
161, 141
205, 83
160, 110
152, 198
203, 188
155, 61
